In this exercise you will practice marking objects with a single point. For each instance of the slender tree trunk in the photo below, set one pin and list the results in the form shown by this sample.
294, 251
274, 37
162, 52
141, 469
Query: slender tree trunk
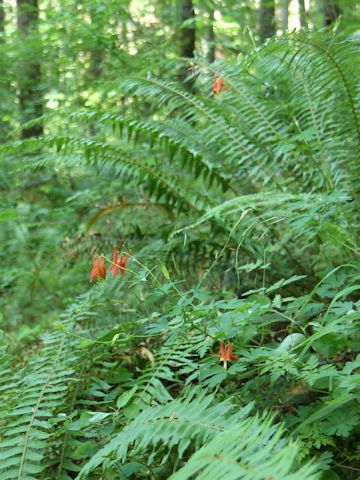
97, 49
96, 63
96, 56
2, 20
267, 19
95, 71
284, 15
211, 36
303, 14
3, 72
187, 38
331, 11
30, 95
123, 35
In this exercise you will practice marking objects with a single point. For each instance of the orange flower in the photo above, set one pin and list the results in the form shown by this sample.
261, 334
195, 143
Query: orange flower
225, 354
218, 85
122, 264
114, 264
118, 264
98, 269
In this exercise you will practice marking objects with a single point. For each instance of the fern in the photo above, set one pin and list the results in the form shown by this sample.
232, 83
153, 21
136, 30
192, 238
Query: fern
196, 419
38, 391
29, 422
251, 450
329, 102
287, 135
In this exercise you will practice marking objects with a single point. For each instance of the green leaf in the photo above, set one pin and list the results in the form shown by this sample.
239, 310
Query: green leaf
125, 397
8, 215
291, 341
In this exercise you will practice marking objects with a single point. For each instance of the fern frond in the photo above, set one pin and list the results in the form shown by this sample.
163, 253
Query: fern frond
251, 450
198, 420
41, 388
176, 423
320, 74
216, 133
97, 153
172, 137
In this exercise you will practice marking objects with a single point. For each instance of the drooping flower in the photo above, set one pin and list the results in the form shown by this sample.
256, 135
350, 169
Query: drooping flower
225, 354
218, 85
98, 269
114, 264
118, 264
122, 264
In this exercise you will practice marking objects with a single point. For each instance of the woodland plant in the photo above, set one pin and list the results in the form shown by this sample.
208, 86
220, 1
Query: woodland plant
227, 343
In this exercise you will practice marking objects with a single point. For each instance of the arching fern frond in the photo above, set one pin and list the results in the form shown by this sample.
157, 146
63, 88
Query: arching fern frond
172, 136
229, 142
252, 450
320, 74
196, 419
125, 164
39, 389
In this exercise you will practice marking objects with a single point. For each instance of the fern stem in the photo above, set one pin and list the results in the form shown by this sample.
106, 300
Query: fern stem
323, 166
73, 399
27, 435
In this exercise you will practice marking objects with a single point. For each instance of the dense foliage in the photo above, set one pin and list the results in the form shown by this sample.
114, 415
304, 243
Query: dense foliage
217, 220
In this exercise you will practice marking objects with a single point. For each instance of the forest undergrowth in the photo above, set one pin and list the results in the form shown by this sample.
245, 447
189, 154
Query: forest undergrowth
187, 262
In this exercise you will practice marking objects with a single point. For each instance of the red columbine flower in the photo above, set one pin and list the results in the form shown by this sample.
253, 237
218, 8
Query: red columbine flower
118, 264
98, 269
122, 264
218, 85
225, 354
114, 264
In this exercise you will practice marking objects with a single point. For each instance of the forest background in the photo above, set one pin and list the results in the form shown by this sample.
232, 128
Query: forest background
198, 162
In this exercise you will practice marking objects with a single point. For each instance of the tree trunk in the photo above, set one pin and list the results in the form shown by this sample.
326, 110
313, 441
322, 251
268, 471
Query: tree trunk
267, 19
30, 95
95, 71
284, 15
303, 14
211, 37
331, 12
96, 55
97, 49
95, 68
4, 86
187, 38
2, 20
